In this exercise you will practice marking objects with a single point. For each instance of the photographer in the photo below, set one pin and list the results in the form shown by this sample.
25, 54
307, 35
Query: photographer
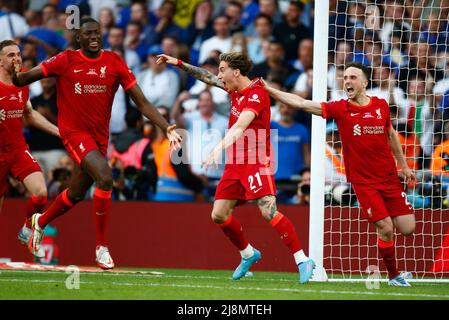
303, 193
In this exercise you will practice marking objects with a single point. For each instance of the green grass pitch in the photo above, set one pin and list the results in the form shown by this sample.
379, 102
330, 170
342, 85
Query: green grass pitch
177, 284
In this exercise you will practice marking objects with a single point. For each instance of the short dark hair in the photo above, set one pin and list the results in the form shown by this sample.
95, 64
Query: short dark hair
132, 116
85, 20
6, 43
237, 60
366, 71
264, 16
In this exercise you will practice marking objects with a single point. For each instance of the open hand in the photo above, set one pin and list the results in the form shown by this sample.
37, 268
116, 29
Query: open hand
163, 58
409, 176
174, 138
212, 160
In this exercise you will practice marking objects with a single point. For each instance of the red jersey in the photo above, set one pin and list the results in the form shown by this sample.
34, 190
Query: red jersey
86, 89
254, 145
367, 154
13, 102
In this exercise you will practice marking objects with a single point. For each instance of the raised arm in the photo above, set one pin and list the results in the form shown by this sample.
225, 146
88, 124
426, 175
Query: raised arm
21, 79
150, 111
34, 118
295, 101
196, 72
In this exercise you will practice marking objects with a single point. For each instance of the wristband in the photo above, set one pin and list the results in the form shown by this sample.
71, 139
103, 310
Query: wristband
179, 62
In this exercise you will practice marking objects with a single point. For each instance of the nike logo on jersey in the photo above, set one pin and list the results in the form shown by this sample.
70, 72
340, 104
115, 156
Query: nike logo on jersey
354, 114
76, 70
2, 97
257, 190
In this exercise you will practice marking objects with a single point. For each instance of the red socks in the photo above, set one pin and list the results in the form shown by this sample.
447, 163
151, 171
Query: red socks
233, 230
102, 209
35, 205
61, 205
286, 230
387, 252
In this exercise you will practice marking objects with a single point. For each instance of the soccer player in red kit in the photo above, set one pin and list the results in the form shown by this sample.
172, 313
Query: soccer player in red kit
248, 174
87, 80
15, 157
369, 142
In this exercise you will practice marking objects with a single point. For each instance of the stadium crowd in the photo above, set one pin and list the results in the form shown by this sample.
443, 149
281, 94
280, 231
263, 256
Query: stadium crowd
403, 41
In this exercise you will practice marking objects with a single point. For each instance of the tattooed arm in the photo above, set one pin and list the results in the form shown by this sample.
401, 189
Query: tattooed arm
196, 72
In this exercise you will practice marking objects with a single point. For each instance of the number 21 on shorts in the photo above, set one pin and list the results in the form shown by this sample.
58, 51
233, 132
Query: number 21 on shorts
252, 179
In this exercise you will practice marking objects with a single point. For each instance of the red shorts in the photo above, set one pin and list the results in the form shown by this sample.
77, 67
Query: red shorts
79, 144
380, 201
245, 182
19, 163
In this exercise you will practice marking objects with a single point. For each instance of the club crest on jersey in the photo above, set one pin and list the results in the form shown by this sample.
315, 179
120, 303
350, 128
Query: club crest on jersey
379, 114
20, 96
254, 98
103, 72
240, 99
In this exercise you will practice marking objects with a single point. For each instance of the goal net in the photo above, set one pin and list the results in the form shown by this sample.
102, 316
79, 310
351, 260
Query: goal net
405, 43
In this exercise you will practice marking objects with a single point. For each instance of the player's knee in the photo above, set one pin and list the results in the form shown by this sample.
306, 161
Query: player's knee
105, 181
40, 192
387, 233
218, 216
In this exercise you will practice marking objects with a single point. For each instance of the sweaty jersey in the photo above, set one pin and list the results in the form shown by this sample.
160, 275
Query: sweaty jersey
85, 90
363, 130
13, 102
254, 145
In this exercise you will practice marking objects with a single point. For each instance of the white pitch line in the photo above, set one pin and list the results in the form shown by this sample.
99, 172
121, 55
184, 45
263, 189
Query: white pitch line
194, 286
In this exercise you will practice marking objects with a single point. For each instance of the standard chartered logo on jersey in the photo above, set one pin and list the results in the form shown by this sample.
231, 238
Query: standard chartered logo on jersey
78, 89
89, 88
357, 130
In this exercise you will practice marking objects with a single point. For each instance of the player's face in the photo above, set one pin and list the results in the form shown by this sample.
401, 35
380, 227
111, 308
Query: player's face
7, 55
354, 82
227, 76
90, 37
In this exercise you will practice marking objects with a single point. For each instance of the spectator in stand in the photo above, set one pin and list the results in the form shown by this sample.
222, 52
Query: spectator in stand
106, 19
200, 29
116, 39
291, 31
303, 191
264, 29
239, 43
183, 15
292, 146
165, 26
120, 105
422, 113
395, 19
234, 12
269, 8
334, 168
221, 41
343, 54
49, 12
47, 149
440, 158
219, 96
303, 64
385, 87
338, 92
133, 40
275, 67
250, 10
176, 181
12, 25
206, 128
159, 84
133, 160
